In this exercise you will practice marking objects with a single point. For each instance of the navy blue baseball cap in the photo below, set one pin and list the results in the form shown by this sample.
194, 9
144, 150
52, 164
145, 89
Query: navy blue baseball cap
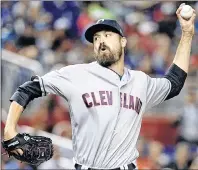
103, 24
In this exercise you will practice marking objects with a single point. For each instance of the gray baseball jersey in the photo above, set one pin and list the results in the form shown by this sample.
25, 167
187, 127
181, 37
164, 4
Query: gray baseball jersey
106, 112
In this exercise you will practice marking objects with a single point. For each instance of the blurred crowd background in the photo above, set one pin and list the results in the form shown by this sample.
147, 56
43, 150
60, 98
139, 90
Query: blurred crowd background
51, 34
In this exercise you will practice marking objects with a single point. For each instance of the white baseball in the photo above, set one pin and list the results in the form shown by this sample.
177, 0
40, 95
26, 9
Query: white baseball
186, 11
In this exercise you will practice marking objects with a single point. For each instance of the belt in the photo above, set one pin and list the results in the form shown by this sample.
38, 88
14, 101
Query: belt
130, 166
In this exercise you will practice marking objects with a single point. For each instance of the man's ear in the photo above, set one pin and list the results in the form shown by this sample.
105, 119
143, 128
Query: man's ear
123, 42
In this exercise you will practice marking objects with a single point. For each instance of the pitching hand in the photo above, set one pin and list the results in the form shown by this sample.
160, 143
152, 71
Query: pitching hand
187, 26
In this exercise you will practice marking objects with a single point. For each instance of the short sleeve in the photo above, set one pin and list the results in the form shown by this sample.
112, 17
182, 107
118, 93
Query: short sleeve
157, 91
56, 82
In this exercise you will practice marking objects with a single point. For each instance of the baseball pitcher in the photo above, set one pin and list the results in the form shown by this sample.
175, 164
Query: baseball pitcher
106, 100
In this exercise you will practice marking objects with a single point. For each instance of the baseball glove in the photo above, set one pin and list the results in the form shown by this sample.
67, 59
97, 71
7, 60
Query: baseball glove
36, 149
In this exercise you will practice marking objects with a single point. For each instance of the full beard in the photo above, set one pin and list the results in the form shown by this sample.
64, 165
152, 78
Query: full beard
108, 58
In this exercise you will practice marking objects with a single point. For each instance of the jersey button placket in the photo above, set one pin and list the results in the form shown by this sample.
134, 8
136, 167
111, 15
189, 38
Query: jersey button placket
118, 109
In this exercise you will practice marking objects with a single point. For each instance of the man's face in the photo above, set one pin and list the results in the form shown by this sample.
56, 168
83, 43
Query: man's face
108, 47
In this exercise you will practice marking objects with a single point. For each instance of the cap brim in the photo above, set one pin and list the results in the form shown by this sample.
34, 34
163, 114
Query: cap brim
96, 28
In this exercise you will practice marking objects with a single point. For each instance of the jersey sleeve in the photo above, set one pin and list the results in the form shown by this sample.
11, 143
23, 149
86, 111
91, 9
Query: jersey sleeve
157, 91
56, 82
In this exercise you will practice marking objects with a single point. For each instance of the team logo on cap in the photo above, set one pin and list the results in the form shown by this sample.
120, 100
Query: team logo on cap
100, 20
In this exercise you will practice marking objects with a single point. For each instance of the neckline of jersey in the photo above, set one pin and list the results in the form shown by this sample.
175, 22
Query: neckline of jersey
126, 72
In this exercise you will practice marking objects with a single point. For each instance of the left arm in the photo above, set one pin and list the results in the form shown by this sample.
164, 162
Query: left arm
160, 89
178, 71
182, 55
